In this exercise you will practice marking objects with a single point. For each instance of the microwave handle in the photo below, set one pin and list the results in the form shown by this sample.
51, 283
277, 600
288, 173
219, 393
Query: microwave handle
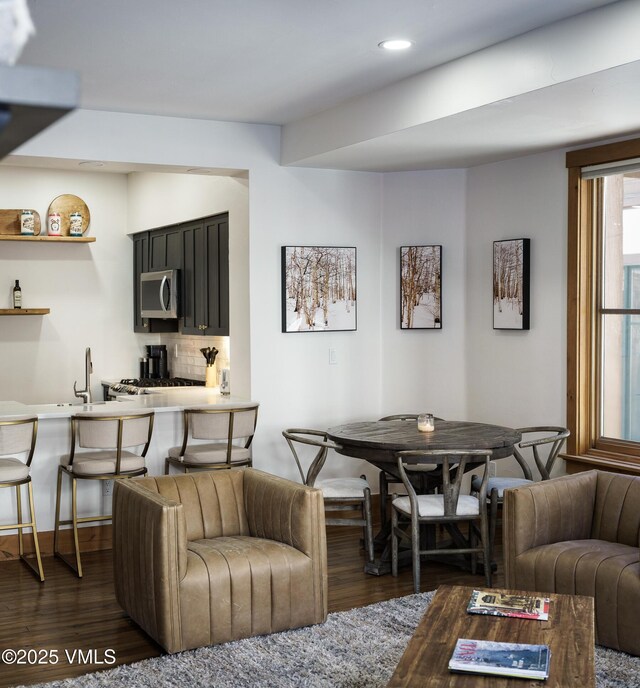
162, 283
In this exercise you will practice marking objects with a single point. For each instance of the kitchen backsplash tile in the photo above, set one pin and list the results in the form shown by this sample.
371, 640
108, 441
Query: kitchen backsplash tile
185, 357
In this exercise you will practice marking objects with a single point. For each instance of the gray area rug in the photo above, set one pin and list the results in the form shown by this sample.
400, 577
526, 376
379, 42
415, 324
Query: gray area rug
355, 649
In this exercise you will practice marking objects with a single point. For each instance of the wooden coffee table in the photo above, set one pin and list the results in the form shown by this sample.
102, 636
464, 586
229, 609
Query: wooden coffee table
569, 633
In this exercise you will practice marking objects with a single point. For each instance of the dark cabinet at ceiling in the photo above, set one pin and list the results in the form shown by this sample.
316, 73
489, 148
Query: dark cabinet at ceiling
141, 263
200, 250
165, 248
205, 277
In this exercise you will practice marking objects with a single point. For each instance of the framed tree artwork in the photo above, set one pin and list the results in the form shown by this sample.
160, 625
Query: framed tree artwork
319, 292
420, 287
511, 284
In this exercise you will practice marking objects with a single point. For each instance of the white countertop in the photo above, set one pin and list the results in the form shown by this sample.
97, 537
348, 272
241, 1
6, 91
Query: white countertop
157, 400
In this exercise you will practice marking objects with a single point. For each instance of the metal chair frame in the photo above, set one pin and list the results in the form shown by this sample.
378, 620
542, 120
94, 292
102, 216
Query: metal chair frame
67, 470
20, 525
453, 464
307, 436
229, 463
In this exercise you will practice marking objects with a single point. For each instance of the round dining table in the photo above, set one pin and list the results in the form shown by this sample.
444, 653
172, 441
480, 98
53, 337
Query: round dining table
378, 442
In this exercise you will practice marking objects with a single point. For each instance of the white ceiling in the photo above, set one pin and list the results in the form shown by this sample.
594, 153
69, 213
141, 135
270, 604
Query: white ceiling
303, 63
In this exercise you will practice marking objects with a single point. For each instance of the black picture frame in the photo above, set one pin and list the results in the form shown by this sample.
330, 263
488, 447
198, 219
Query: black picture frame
511, 284
421, 287
319, 288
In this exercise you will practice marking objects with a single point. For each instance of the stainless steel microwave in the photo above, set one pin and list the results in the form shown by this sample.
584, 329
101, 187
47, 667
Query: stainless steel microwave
159, 294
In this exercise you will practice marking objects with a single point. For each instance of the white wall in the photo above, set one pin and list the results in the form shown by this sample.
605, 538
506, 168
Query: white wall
518, 378
424, 370
84, 285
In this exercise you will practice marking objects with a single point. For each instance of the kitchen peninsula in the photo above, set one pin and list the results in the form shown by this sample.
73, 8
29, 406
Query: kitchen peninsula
54, 438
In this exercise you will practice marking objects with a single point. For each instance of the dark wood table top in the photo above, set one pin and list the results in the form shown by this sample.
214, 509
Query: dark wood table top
569, 633
378, 441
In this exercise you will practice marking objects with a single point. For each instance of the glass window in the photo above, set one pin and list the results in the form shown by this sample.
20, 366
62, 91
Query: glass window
619, 416
603, 308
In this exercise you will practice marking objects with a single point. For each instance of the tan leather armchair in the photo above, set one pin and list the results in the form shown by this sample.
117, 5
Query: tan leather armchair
208, 557
579, 534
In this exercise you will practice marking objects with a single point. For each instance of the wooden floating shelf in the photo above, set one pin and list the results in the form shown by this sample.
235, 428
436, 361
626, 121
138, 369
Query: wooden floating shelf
68, 239
24, 311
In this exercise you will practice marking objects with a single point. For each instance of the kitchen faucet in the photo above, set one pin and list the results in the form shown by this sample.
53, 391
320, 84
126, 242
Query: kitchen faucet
88, 369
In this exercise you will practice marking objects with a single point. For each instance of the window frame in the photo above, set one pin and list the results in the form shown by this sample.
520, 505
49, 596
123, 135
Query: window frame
585, 449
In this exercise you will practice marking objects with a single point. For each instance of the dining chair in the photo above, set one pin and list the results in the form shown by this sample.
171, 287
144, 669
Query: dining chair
448, 508
386, 478
532, 449
18, 436
340, 494
110, 437
215, 438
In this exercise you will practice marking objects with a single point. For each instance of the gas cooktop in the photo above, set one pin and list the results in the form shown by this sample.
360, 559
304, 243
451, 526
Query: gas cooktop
140, 385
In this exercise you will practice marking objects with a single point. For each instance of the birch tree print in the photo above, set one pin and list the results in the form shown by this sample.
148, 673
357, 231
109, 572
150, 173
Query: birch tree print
319, 288
420, 287
511, 284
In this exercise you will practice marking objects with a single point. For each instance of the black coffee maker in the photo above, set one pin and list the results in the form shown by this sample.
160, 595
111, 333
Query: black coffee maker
157, 359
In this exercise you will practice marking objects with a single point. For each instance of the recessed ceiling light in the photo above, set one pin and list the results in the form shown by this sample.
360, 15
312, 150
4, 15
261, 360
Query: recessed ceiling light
91, 163
395, 44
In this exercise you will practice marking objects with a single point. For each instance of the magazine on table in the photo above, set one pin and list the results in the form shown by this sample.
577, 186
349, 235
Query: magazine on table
501, 604
500, 659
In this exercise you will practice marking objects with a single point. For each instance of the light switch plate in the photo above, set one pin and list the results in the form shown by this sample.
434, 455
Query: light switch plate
333, 357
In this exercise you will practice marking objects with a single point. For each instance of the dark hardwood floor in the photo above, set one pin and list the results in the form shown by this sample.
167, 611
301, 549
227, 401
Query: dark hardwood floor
64, 613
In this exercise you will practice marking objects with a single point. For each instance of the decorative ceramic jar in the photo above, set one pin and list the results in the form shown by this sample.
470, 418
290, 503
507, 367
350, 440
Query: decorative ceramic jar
54, 227
27, 223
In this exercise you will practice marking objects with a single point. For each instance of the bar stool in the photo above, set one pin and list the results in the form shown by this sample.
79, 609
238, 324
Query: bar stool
112, 436
18, 436
231, 430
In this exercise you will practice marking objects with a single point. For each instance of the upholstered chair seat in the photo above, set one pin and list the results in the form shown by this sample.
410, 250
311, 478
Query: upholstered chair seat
213, 556
500, 484
12, 470
342, 488
210, 453
98, 463
433, 505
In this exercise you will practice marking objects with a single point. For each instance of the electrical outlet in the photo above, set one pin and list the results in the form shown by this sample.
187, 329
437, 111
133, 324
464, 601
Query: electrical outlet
107, 488
333, 357
492, 469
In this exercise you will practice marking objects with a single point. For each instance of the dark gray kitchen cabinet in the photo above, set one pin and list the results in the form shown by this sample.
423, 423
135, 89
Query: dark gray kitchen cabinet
141, 263
165, 248
200, 250
205, 276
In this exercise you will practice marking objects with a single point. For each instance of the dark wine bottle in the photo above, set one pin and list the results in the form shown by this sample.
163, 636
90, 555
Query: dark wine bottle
17, 295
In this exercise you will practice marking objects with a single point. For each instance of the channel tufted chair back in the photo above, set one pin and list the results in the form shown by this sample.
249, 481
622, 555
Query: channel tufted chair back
579, 535
209, 557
